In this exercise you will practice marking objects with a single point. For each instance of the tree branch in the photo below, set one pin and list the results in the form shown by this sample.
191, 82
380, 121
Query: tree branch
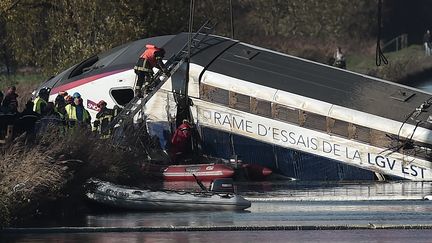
11, 6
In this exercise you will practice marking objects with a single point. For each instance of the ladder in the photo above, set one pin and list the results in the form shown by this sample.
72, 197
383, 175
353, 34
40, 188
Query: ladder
173, 64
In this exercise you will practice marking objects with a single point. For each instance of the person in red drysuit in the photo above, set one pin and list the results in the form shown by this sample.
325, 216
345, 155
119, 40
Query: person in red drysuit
180, 142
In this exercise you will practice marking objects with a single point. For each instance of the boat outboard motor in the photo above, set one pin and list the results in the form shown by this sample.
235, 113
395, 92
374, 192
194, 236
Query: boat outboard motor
222, 185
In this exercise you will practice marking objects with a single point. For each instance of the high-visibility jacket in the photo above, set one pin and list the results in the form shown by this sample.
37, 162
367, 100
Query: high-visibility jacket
62, 116
37, 107
72, 115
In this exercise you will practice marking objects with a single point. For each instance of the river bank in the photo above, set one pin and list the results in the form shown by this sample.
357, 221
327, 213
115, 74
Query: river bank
45, 175
407, 66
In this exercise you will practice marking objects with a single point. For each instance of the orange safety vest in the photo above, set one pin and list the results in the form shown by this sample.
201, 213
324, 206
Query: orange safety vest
149, 54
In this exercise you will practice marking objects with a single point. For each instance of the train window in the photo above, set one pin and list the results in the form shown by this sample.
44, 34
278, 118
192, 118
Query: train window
260, 107
122, 96
213, 94
315, 121
337, 127
285, 113
239, 101
379, 138
83, 66
359, 133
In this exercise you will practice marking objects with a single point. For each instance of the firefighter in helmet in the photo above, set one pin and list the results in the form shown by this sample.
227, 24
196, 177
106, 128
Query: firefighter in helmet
103, 120
150, 58
41, 100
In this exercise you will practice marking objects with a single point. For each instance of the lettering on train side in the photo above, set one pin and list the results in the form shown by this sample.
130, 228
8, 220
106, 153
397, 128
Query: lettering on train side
386, 163
277, 133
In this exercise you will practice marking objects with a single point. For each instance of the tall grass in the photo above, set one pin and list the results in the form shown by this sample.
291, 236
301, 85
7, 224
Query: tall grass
54, 167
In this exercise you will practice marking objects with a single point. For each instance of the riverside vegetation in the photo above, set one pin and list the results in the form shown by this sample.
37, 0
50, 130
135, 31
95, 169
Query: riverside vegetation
45, 175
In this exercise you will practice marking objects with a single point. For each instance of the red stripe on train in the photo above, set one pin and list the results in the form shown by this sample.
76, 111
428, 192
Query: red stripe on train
80, 82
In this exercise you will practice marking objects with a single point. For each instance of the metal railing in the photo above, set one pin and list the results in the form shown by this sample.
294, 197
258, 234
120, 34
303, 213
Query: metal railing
396, 44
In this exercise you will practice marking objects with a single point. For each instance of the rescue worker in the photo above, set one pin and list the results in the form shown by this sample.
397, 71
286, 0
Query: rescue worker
27, 119
103, 119
41, 101
76, 95
76, 114
63, 93
150, 58
68, 100
180, 142
7, 119
10, 101
59, 105
28, 110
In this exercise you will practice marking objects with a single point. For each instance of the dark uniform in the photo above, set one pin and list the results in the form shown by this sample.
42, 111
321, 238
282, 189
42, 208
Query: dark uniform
10, 101
103, 120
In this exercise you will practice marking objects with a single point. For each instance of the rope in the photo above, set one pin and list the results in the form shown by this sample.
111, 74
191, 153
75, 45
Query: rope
191, 19
415, 113
232, 19
379, 55
419, 109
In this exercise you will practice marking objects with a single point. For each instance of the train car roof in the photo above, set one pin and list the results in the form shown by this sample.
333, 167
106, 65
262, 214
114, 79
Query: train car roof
273, 69
310, 79
321, 82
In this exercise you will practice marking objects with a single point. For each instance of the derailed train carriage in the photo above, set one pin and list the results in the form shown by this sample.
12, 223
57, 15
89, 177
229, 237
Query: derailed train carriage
302, 119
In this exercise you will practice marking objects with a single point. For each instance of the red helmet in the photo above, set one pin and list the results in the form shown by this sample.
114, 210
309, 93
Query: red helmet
101, 103
63, 93
68, 99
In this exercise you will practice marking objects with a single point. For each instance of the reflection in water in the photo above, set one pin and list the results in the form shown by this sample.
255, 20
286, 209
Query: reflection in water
161, 219
332, 236
336, 208
307, 190
312, 191
285, 202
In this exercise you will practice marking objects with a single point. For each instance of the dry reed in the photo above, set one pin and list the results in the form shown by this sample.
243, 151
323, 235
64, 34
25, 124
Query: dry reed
54, 167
